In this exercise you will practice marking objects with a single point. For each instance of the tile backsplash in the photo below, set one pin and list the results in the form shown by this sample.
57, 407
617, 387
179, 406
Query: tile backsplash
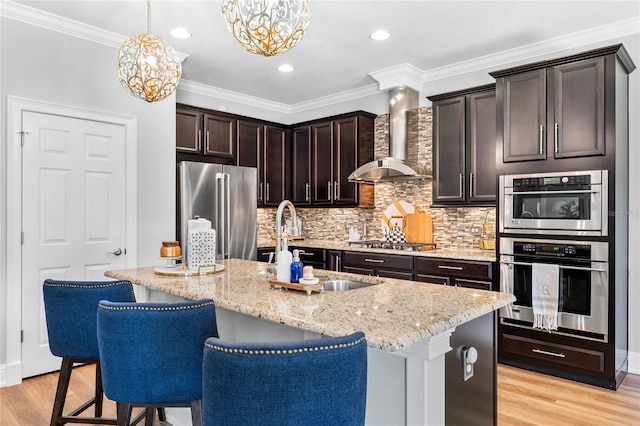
451, 225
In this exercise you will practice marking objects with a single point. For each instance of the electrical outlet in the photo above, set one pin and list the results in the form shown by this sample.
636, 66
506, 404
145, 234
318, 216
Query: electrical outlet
475, 230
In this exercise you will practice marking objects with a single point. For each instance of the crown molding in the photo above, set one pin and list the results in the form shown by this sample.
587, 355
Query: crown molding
228, 95
338, 98
39, 18
535, 51
403, 75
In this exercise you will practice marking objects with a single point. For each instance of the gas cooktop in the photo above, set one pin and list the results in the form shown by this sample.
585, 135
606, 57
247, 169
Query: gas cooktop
394, 246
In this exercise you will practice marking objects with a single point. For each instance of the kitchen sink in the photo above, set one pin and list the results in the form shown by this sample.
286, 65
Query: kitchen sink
344, 285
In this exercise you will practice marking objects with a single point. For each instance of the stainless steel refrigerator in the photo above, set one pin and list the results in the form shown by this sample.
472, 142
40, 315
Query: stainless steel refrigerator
225, 195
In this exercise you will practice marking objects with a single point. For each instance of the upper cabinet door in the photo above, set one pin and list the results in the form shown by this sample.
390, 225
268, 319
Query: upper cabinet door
322, 151
449, 149
524, 97
188, 130
275, 157
250, 150
345, 145
578, 127
219, 136
301, 167
481, 128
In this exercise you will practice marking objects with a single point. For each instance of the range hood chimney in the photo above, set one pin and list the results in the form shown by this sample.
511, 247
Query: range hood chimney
403, 104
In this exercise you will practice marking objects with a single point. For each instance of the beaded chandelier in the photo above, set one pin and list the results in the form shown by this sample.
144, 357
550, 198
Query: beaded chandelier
148, 67
267, 27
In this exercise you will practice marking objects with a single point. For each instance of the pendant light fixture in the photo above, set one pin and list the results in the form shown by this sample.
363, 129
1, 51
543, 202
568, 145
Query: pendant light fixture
148, 68
267, 27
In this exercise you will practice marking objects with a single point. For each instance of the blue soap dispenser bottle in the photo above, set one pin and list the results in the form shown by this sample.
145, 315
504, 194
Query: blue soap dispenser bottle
296, 267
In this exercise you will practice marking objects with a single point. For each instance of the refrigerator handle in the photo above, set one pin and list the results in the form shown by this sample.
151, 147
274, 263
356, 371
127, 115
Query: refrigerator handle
223, 213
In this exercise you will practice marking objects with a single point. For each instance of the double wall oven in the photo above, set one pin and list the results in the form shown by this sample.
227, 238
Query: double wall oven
583, 294
561, 219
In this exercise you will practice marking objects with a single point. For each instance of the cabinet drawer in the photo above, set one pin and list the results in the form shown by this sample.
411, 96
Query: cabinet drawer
480, 285
433, 279
554, 353
379, 261
455, 268
310, 254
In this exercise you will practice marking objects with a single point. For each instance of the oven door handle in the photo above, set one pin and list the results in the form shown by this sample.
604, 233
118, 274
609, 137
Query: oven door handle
578, 191
575, 268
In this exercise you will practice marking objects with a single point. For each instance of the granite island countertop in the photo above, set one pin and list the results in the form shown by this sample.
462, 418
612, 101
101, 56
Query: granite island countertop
393, 314
445, 253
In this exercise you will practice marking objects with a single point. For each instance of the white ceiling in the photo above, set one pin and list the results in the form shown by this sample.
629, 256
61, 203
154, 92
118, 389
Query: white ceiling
336, 54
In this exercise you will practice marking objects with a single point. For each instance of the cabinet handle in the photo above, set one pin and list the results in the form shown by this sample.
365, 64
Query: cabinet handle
461, 184
555, 137
206, 142
454, 268
336, 192
540, 351
307, 191
470, 185
260, 191
267, 192
337, 263
374, 260
199, 140
329, 191
541, 139
303, 253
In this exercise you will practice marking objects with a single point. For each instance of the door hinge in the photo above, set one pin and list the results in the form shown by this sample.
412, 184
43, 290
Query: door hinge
21, 133
21, 336
22, 237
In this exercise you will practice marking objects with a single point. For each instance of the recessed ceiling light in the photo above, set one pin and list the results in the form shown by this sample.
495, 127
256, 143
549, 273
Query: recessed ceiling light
285, 68
379, 35
180, 33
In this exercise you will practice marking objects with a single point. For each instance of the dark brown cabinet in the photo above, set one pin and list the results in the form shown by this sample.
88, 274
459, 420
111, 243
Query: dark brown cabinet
336, 148
204, 134
301, 166
464, 146
274, 166
381, 265
250, 151
334, 260
308, 163
310, 256
462, 273
554, 112
264, 146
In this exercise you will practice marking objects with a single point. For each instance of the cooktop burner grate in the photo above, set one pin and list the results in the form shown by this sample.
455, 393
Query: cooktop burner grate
394, 246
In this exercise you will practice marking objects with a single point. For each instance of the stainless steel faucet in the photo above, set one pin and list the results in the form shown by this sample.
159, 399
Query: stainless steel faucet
364, 231
294, 219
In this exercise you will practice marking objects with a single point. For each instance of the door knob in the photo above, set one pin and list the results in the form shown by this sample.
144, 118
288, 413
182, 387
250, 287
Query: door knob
116, 252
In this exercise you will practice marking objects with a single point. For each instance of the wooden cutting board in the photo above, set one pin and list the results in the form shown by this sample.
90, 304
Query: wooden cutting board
418, 227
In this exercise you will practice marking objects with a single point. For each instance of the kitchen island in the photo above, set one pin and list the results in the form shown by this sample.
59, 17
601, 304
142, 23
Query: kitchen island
407, 325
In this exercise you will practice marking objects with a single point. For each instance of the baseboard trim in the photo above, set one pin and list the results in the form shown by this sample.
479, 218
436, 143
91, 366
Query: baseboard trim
10, 374
634, 363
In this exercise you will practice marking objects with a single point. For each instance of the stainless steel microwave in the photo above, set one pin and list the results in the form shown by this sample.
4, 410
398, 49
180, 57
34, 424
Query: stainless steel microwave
570, 203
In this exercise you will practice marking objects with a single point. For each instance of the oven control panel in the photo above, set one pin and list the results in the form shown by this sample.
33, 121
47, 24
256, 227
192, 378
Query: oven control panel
549, 183
576, 251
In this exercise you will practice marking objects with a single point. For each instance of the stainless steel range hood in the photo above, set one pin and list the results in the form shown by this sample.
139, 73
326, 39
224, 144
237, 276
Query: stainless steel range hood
403, 135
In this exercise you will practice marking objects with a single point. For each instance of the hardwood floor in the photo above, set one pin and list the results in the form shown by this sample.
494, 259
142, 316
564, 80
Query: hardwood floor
524, 398
30, 403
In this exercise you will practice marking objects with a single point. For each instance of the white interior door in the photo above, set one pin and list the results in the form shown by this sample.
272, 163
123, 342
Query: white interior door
73, 215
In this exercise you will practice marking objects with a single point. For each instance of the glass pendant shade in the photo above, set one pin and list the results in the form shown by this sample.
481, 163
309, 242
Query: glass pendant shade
267, 27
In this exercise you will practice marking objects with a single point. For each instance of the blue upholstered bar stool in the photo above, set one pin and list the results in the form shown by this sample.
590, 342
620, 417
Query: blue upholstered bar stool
70, 309
309, 382
151, 354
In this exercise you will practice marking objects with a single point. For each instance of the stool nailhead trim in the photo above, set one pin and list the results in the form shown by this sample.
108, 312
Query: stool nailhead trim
282, 351
137, 307
88, 285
